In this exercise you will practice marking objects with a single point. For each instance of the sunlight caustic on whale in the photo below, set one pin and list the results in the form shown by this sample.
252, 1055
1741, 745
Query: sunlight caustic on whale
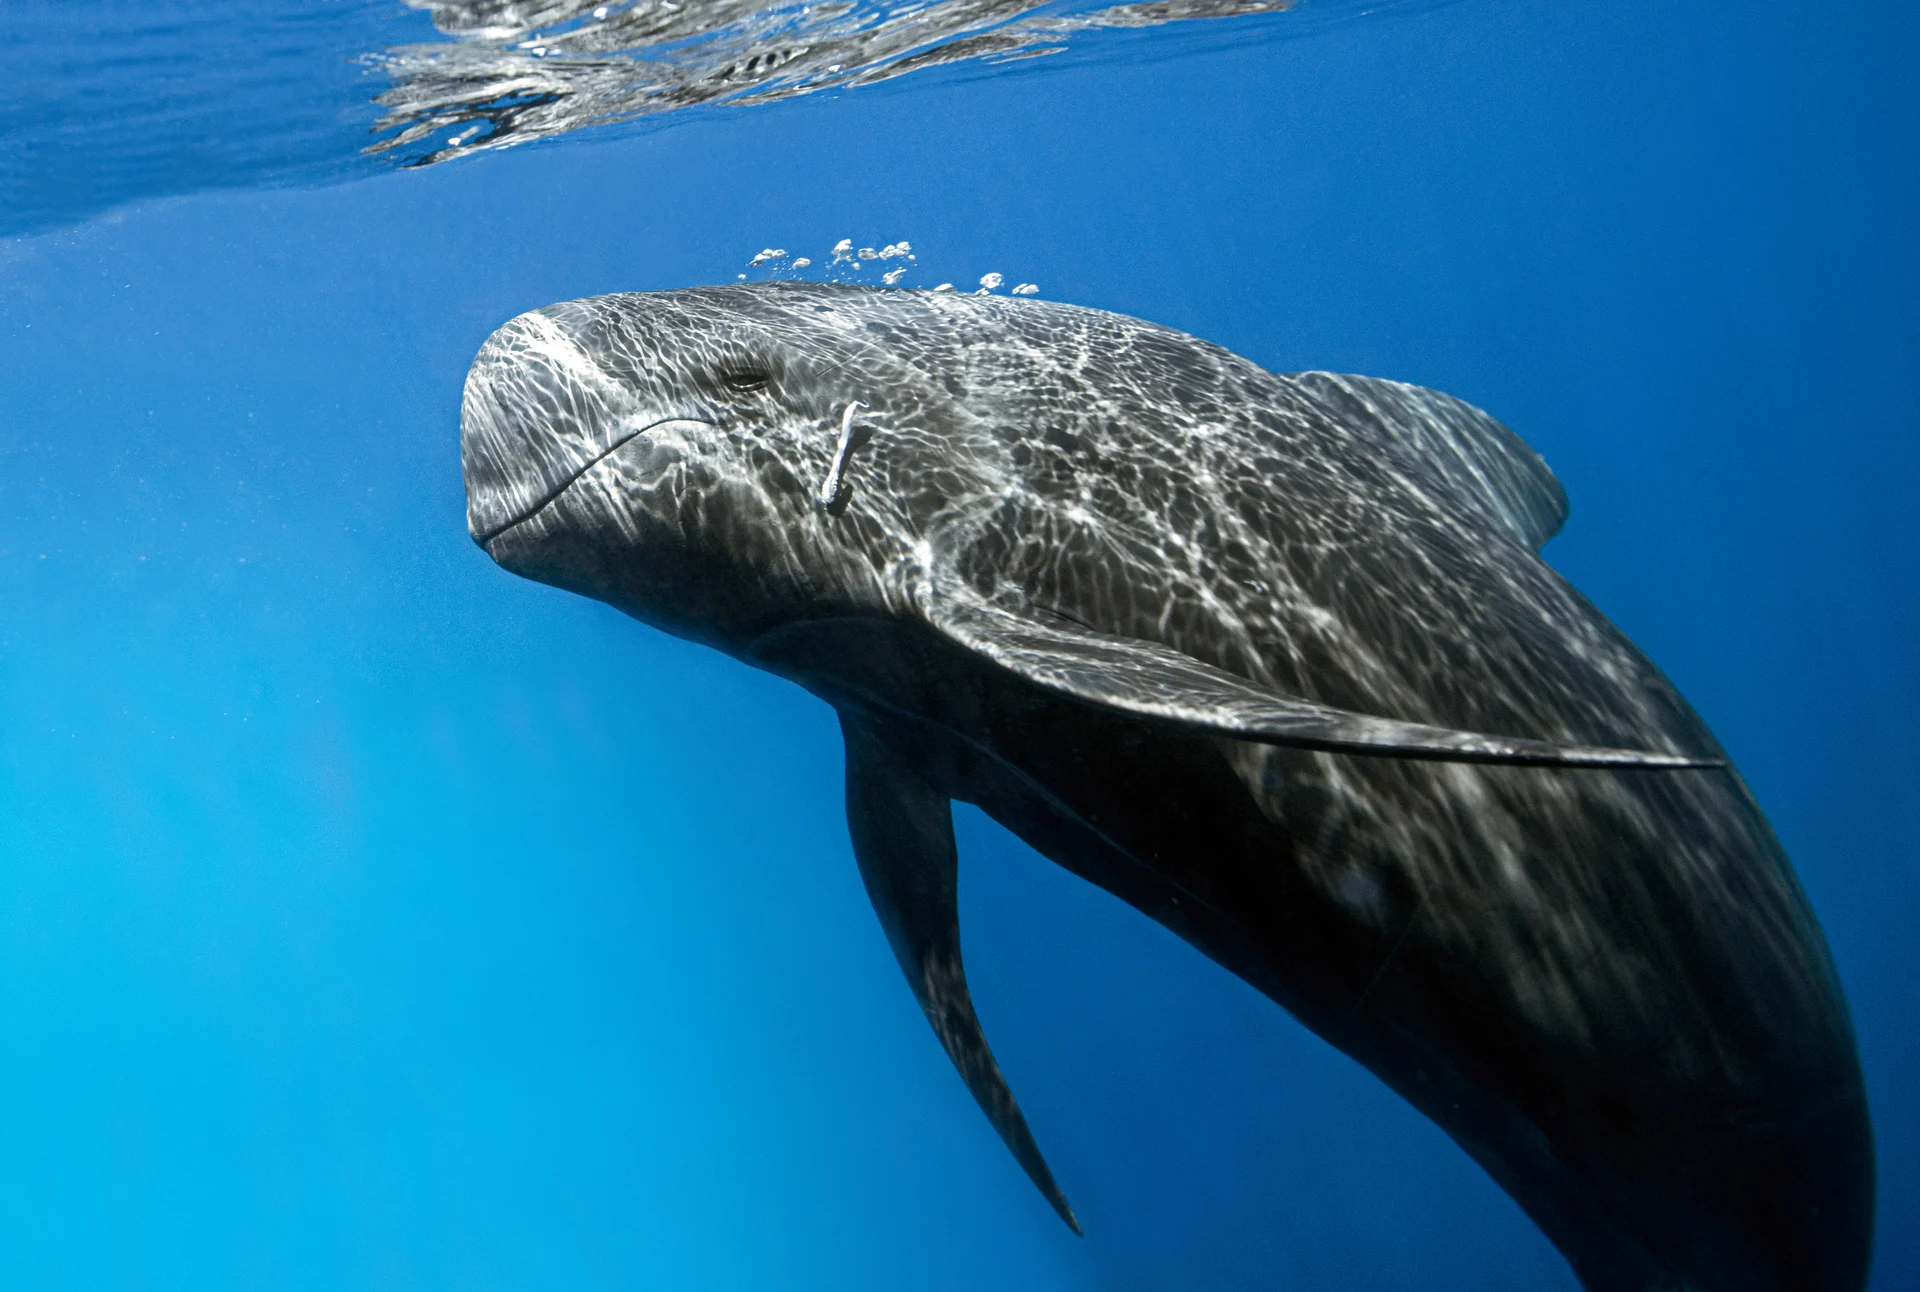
1272, 658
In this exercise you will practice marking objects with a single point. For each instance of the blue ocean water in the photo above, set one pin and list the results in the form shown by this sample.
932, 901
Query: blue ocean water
372, 918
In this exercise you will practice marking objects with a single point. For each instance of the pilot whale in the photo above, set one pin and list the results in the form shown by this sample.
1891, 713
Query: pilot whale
1272, 658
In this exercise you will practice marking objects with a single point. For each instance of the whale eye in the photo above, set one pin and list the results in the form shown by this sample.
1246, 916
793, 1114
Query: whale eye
746, 379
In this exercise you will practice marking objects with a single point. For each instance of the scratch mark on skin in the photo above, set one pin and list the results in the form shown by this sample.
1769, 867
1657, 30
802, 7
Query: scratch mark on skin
834, 491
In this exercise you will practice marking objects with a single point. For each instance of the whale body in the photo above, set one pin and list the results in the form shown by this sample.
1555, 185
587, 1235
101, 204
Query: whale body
1272, 658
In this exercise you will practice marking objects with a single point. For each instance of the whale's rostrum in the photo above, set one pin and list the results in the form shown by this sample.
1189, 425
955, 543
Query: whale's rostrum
1272, 658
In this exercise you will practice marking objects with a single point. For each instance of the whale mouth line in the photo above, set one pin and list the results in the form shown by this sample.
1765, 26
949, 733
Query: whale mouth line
552, 495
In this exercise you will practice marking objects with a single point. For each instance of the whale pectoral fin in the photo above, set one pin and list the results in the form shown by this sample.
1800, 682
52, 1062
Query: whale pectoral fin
1157, 682
903, 841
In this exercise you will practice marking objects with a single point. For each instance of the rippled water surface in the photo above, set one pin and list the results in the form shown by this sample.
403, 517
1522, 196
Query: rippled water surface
108, 105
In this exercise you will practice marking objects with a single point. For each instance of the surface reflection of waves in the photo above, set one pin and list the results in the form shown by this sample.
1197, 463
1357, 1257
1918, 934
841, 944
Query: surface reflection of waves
175, 96
524, 70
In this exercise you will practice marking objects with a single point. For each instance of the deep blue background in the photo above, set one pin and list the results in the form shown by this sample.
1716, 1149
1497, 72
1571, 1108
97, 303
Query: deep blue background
370, 918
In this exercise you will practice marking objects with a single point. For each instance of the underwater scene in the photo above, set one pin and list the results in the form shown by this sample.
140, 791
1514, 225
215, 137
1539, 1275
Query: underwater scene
560, 560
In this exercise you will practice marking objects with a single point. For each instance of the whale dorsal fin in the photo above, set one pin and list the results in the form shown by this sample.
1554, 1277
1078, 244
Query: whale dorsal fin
1453, 446
902, 832
1159, 683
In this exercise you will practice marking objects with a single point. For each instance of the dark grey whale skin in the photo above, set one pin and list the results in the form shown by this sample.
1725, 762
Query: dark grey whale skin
1132, 594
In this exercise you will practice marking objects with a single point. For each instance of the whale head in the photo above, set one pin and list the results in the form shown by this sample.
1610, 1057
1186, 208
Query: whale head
687, 456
